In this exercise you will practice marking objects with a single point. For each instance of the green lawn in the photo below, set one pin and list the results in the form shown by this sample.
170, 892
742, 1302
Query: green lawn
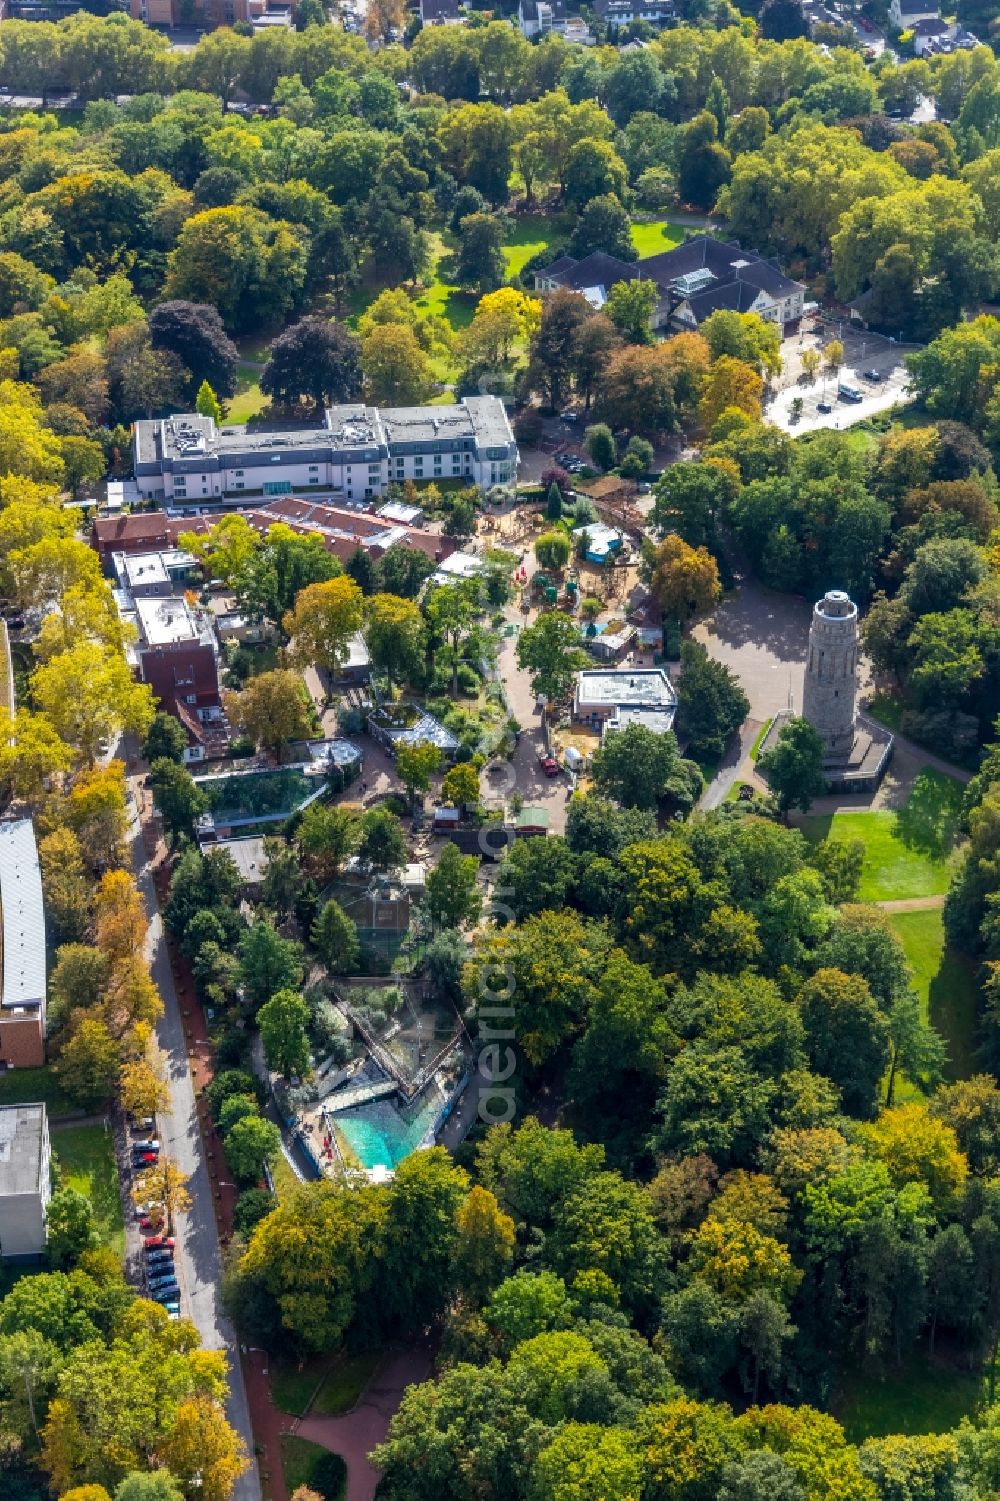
86, 1158
908, 852
346, 1382
529, 234
25, 1086
755, 748
659, 234
887, 710
294, 1386
323, 1387
916, 1397
305, 1463
249, 400
945, 983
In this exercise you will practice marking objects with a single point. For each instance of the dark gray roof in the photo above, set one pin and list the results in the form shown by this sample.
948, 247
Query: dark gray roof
914, 7
931, 26
595, 270
726, 261
439, 10
564, 263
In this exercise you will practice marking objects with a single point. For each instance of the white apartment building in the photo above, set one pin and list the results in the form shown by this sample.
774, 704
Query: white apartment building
356, 454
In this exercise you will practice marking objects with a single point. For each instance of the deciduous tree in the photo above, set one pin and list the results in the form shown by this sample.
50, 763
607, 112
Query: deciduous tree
282, 1022
272, 709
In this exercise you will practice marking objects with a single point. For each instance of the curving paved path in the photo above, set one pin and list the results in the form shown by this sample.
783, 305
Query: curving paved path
354, 1434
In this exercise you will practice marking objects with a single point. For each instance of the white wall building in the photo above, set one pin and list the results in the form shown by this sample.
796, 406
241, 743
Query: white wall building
25, 1185
357, 453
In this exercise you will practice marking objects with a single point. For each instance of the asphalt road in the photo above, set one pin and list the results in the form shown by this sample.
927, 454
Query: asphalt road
198, 1258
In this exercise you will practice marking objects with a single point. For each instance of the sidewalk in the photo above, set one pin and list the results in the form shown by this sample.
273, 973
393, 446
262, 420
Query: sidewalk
183, 1037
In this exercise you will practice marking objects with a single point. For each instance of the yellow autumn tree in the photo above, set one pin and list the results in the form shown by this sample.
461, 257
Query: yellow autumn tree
916, 1147
684, 579
322, 622
730, 384
89, 695
484, 1249
203, 1450
120, 918
737, 1259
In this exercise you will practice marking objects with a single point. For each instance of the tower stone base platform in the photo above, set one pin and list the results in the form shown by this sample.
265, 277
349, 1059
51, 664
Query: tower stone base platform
863, 765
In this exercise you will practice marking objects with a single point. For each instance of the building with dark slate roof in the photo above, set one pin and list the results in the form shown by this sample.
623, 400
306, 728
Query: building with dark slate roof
694, 280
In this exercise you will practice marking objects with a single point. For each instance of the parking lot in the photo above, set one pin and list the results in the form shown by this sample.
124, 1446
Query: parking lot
863, 352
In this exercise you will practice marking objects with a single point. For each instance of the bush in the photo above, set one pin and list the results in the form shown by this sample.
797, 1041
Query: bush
233, 1048
350, 720
469, 681
671, 639
253, 1205
329, 1477
242, 746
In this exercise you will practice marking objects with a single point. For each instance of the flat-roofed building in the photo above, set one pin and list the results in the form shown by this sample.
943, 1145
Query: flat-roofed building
609, 699
22, 922
25, 1183
357, 452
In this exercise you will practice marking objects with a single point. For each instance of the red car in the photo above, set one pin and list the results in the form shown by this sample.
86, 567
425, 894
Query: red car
145, 1159
159, 1242
549, 765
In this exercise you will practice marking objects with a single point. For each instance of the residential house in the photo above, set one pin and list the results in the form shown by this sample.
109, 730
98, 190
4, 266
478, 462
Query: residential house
440, 12
176, 652
539, 17
904, 14
624, 12
22, 923
703, 275
25, 1181
929, 33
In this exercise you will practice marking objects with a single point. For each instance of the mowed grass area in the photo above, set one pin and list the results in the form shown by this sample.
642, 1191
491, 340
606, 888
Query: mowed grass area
345, 1384
945, 983
656, 236
915, 1397
86, 1159
249, 399
323, 1387
28, 1086
909, 852
530, 234
306, 1463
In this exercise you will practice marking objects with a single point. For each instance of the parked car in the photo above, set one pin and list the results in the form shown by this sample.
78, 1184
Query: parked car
143, 1159
166, 1295
549, 765
160, 1284
824, 407
571, 418
142, 1123
150, 1145
874, 375
164, 1260
152, 1242
848, 392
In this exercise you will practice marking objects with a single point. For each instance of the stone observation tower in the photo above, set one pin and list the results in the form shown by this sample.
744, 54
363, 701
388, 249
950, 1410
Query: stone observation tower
856, 749
831, 673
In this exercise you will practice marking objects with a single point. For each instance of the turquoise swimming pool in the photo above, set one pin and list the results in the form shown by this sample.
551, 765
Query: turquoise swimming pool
381, 1134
